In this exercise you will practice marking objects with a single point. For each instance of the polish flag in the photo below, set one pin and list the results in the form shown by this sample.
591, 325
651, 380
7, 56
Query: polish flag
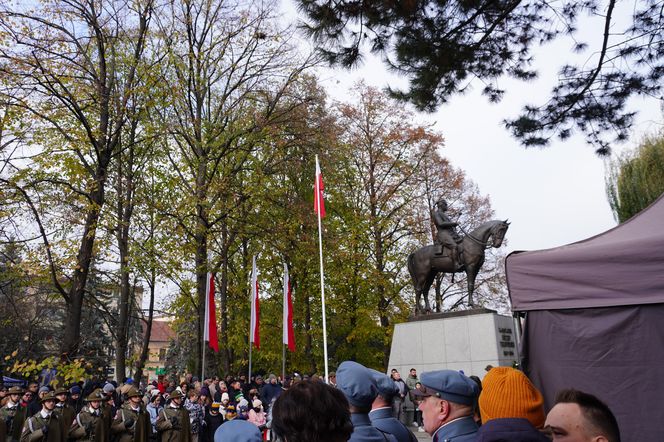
319, 200
254, 335
210, 330
289, 333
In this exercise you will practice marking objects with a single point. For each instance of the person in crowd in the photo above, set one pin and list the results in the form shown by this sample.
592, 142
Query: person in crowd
447, 405
88, 426
257, 414
581, 417
65, 412
44, 425
381, 409
3, 395
132, 422
74, 400
235, 389
231, 413
359, 387
238, 431
12, 416
411, 382
213, 419
417, 412
36, 405
511, 407
311, 412
476, 414
398, 402
153, 408
271, 392
173, 421
332, 379
196, 414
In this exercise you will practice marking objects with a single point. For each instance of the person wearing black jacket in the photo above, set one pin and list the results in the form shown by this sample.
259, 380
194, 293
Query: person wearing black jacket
213, 420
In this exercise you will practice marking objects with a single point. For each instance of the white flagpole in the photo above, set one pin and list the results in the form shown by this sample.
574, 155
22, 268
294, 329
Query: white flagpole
322, 277
251, 317
206, 324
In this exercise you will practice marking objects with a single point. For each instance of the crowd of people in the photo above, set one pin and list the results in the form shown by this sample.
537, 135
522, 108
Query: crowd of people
357, 404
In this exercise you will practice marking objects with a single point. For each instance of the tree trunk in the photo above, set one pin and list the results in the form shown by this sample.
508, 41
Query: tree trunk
72, 331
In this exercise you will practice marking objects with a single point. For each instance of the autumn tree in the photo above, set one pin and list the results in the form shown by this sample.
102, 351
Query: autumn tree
440, 46
72, 66
227, 69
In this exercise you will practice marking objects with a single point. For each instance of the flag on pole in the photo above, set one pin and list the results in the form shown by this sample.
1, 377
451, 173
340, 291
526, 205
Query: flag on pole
254, 335
289, 333
319, 200
210, 331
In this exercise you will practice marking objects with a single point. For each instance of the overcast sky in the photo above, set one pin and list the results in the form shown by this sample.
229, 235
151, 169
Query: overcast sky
552, 196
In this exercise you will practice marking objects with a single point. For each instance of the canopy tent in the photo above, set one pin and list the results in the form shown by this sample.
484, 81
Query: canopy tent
595, 319
11, 382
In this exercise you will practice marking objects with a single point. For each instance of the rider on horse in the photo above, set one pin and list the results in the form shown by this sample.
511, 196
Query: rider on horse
446, 234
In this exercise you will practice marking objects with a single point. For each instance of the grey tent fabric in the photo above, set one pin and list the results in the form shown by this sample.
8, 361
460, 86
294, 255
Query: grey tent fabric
623, 266
595, 320
615, 353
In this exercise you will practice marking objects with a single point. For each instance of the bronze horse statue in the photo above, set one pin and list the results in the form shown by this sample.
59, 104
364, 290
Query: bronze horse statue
424, 263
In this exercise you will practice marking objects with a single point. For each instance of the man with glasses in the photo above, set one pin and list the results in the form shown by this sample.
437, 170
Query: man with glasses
447, 405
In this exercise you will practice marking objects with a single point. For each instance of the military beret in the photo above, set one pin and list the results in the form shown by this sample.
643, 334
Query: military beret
385, 385
356, 383
449, 385
238, 430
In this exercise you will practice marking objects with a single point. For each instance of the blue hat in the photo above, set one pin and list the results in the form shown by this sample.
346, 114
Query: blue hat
386, 386
449, 385
237, 431
356, 383
75, 389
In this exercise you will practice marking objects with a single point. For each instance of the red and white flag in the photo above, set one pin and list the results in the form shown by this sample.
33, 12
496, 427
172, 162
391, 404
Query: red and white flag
210, 330
289, 333
319, 200
254, 335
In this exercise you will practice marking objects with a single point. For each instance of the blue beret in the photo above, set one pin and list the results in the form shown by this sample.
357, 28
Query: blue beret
449, 385
385, 385
356, 383
237, 431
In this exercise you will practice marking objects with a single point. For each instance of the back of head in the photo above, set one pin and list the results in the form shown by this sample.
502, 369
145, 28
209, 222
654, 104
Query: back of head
311, 411
508, 393
600, 419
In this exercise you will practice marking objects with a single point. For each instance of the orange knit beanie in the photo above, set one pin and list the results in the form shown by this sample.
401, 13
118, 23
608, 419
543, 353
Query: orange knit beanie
507, 392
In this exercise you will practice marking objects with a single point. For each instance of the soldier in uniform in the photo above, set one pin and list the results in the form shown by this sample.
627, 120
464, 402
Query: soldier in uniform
356, 383
173, 420
44, 426
381, 410
64, 411
89, 423
12, 416
132, 422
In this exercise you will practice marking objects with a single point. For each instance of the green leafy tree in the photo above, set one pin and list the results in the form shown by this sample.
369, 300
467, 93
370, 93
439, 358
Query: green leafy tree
634, 181
440, 46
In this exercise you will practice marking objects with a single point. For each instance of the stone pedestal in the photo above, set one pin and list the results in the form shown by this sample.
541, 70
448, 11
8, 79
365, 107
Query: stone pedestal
467, 340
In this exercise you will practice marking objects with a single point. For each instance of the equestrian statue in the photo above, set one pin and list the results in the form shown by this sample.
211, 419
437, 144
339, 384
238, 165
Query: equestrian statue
452, 253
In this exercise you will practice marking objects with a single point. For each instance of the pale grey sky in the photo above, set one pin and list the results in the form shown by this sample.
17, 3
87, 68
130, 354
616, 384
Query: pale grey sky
552, 196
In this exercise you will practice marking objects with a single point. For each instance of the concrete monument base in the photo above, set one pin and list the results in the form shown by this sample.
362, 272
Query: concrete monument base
467, 340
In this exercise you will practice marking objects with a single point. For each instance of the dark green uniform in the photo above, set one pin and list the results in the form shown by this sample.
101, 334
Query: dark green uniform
12, 417
131, 425
40, 428
89, 426
173, 424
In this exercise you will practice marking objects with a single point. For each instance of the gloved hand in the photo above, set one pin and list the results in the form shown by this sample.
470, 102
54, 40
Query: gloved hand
175, 423
129, 422
8, 421
88, 428
45, 430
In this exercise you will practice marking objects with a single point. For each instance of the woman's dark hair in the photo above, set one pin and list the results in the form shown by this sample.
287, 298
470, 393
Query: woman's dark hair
311, 411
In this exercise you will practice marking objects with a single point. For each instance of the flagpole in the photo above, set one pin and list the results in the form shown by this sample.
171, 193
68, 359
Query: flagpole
251, 315
205, 320
322, 277
283, 362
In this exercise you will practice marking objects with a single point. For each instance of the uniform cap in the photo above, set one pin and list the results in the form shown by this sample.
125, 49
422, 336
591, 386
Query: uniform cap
507, 392
50, 396
385, 385
132, 392
237, 430
96, 395
356, 383
449, 385
176, 394
60, 391
15, 390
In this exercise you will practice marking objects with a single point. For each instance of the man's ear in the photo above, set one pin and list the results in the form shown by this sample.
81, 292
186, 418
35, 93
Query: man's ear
599, 439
